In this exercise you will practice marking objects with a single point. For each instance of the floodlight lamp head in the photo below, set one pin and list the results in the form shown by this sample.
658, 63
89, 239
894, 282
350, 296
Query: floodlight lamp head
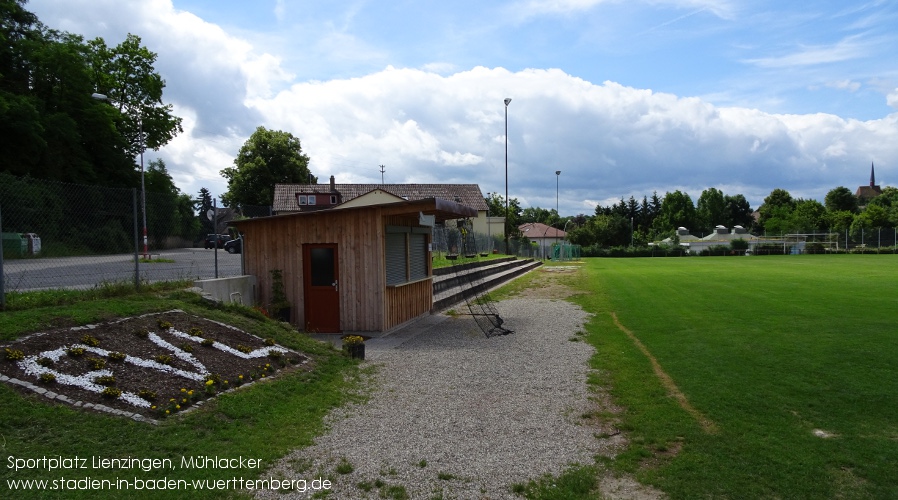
99, 97
507, 101
558, 172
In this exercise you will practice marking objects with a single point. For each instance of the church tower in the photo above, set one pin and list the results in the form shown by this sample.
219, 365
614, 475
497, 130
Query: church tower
865, 193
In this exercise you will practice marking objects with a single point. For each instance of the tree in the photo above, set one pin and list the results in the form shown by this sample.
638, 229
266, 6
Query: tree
125, 74
739, 211
873, 217
808, 215
52, 129
840, 198
711, 210
203, 204
677, 210
779, 204
169, 213
267, 158
537, 214
840, 221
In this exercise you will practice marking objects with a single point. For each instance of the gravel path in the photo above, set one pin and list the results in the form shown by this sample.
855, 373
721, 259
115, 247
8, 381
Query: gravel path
454, 414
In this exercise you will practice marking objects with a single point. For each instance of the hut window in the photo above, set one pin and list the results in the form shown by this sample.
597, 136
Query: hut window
311, 199
300, 199
406, 254
333, 200
417, 256
396, 271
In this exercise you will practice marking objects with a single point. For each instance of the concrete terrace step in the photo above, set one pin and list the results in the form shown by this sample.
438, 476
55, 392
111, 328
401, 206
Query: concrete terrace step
489, 276
474, 271
451, 270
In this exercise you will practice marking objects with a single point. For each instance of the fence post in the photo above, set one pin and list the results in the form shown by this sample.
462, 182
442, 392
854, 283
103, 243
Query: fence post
2, 276
136, 244
215, 228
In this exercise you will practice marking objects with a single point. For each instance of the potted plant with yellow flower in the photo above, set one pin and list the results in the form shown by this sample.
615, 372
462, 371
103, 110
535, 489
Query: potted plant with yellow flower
354, 345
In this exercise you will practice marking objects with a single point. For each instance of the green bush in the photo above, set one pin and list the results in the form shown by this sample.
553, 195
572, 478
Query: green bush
739, 244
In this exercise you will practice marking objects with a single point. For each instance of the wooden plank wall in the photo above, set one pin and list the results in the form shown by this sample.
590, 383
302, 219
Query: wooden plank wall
276, 243
406, 302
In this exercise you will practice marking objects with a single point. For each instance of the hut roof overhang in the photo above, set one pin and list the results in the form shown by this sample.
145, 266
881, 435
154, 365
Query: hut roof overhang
441, 209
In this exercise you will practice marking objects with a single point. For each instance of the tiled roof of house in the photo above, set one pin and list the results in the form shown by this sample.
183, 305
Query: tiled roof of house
466, 194
535, 230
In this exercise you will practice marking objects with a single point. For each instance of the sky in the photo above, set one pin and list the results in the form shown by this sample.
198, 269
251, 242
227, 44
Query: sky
623, 97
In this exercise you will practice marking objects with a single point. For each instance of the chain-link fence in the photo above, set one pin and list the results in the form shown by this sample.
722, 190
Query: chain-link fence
855, 240
449, 239
58, 235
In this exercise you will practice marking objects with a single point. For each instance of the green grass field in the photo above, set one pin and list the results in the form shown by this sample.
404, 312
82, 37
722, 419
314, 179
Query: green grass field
767, 350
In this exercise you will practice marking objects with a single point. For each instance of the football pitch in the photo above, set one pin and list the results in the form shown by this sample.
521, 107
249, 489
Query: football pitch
751, 377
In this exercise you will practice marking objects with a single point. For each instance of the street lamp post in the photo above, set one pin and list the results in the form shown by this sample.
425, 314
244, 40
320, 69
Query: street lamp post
505, 225
557, 177
489, 226
143, 192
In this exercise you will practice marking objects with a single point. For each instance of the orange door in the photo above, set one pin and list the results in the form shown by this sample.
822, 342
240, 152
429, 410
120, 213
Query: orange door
321, 286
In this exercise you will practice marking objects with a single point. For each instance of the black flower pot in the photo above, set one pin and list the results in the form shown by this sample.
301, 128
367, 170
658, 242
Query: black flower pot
356, 351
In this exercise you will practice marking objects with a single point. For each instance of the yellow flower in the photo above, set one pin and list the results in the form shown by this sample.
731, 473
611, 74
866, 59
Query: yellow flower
167, 412
153, 407
353, 340
184, 400
210, 382
190, 392
172, 400
183, 390
240, 377
177, 407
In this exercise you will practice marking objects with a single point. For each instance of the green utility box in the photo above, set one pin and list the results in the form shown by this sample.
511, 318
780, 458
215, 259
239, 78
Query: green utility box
14, 245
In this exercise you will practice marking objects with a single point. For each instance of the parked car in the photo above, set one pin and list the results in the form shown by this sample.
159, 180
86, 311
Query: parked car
219, 240
234, 246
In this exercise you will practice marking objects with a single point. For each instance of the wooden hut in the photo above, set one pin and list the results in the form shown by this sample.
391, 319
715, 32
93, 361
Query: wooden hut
360, 268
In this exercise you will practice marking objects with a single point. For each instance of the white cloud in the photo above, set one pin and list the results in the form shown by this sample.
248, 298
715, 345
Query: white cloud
844, 85
892, 99
531, 8
609, 140
846, 49
442, 125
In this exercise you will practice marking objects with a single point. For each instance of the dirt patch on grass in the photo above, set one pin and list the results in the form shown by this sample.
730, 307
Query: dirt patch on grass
548, 284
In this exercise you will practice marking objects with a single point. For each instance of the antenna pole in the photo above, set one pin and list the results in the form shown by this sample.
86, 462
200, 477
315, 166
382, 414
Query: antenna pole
382, 169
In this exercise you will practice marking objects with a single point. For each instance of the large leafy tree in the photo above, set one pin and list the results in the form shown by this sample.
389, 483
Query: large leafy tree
840, 198
267, 158
711, 210
125, 74
677, 210
52, 129
809, 215
739, 211
777, 205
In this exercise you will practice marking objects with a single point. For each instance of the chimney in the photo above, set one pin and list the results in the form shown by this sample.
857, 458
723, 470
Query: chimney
333, 185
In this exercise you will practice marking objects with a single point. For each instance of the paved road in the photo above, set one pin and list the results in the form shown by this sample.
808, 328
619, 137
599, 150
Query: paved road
86, 272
